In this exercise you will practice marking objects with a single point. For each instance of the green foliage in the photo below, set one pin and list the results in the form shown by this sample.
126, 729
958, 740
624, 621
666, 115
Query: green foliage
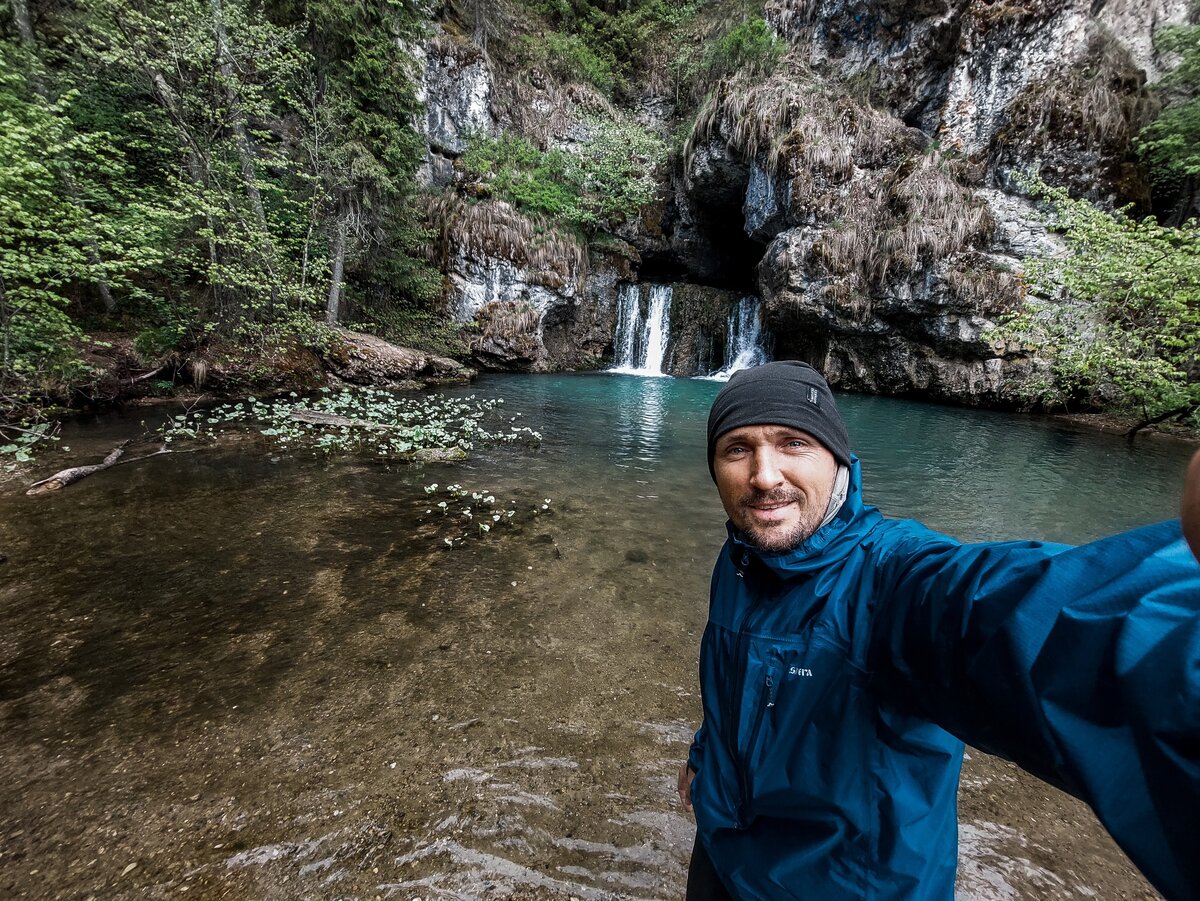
370, 421
533, 180
569, 58
46, 235
363, 148
196, 160
1171, 143
1144, 280
748, 46
19, 443
609, 45
600, 184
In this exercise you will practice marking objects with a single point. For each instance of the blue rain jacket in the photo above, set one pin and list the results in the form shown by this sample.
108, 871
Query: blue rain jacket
840, 680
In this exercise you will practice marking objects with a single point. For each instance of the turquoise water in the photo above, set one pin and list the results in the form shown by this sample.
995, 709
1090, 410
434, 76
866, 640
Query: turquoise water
255, 674
977, 475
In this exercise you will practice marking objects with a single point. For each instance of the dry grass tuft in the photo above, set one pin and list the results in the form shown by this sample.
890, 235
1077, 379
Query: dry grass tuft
508, 320
791, 17
886, 231
986, 290
937, 216
545, 110
793, 118
494, 228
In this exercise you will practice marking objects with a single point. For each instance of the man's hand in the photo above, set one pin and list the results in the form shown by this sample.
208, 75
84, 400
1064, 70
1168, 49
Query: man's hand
1191, 506
685, 786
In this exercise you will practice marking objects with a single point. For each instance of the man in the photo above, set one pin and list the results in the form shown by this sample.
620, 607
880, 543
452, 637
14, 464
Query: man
847, 658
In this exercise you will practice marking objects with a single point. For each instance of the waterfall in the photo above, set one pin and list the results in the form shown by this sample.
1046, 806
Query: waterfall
743, 339
640, 343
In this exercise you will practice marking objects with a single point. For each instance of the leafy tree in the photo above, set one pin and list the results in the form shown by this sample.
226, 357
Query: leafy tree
362, 150
48, 236
1171, 143
1137, 349
605, 42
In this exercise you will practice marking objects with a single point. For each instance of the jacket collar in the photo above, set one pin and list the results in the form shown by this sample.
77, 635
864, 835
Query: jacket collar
829, 543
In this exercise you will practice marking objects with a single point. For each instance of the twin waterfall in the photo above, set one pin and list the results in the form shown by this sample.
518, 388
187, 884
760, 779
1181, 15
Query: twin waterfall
640, 342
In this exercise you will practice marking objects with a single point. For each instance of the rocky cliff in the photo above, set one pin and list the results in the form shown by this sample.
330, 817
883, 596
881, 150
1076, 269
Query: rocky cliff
869, 189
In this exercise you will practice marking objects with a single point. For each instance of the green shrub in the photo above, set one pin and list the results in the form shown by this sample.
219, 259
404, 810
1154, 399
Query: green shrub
568, 58
603, 183
749, 46
1144, 282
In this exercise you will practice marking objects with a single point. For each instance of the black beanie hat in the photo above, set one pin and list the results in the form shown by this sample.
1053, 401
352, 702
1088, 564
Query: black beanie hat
787, 392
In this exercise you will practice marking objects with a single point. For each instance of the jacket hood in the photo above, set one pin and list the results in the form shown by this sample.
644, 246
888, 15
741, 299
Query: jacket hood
830, 543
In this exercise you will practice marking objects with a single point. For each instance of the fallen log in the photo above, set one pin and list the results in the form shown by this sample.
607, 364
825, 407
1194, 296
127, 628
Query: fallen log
66, 477
316, 417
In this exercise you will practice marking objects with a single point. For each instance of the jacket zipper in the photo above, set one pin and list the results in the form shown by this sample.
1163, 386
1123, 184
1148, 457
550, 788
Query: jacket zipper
774, 673
739, 760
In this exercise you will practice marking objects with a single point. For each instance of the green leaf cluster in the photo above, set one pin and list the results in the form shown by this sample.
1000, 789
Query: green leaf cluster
194, 163
605, 44
748, 46
1136, 349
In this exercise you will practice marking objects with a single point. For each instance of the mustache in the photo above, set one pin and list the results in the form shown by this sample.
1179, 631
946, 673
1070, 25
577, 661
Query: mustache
775, 496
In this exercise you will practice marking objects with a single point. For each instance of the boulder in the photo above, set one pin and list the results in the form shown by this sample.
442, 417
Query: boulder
369, 360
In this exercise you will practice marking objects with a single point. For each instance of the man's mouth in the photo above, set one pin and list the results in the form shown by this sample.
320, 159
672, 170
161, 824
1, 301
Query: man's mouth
769, 509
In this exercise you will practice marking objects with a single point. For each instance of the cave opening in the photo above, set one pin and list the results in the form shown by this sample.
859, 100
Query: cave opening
711, 250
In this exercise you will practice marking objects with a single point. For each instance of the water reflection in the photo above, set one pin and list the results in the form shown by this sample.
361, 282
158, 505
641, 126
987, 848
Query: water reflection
641, 412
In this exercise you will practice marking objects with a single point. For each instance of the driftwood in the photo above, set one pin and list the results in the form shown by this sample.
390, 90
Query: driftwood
316, 417
67, 477
148, 375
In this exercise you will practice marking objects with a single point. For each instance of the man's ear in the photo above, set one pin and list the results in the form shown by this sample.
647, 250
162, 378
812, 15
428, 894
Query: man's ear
1190, 513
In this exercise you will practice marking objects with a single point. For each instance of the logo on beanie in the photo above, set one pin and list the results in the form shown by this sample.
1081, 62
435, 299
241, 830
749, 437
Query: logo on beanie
812, 397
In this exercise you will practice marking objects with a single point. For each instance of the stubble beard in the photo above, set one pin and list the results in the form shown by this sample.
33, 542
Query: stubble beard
781, 539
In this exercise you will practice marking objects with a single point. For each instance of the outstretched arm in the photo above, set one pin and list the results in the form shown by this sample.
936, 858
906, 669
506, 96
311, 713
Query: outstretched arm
1080, 664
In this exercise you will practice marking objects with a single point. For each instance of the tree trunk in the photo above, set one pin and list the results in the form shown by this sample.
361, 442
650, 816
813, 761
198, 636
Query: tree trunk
197, 168
6, 330
333, 302
24, 25
245, 149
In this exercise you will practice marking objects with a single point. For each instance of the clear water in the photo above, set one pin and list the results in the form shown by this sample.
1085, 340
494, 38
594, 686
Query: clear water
259, 675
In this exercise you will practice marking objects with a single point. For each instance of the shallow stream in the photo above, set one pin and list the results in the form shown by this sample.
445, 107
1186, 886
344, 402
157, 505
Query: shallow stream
240, 673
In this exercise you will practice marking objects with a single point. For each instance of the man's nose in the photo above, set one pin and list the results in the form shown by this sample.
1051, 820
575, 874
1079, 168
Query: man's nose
767, 474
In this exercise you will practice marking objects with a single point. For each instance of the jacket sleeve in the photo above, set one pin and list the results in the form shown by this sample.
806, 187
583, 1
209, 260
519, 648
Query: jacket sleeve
1082, 665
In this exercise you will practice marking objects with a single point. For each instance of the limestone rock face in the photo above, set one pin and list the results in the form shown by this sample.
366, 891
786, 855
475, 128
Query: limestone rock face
699, 326
887, 259
1007, 83
538, 300
456, 89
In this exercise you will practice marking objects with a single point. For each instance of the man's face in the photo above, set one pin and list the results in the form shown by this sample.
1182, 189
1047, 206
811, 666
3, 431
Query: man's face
775, 483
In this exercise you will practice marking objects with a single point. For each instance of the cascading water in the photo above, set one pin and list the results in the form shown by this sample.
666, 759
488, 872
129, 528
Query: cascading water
640, 344
743, 339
